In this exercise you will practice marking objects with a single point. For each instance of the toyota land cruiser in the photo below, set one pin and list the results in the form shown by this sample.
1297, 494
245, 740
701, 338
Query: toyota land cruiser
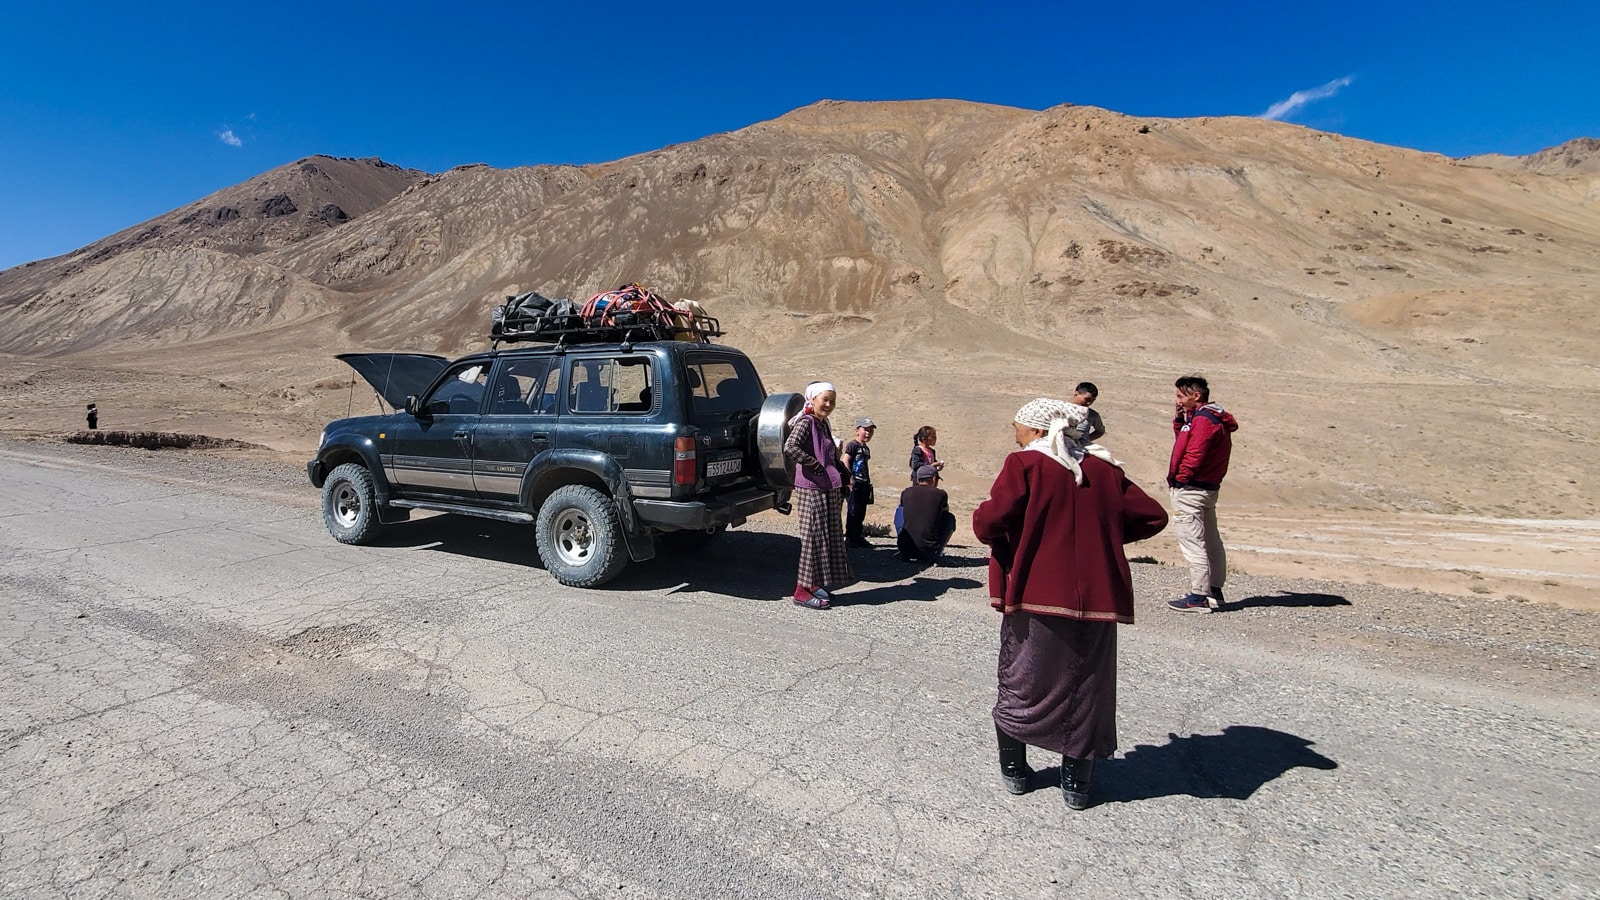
609, 449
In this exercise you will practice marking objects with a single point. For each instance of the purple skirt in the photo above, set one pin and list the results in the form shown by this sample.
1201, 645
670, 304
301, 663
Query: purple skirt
1058, 684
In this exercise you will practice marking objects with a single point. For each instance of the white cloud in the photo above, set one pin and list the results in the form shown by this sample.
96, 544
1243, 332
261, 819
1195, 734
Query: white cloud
1284, 108
229, 138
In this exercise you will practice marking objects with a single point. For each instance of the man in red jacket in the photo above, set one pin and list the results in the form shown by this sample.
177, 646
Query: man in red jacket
1203, 442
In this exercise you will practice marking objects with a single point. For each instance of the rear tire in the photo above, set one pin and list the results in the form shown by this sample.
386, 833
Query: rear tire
350, 505
579, 537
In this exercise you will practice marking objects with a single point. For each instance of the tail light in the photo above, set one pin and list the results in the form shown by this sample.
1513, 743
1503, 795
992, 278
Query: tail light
683, 460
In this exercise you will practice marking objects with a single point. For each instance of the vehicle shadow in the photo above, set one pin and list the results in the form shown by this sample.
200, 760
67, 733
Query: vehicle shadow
1231, 765
1285, 598
506, 542
751, 565
757, 565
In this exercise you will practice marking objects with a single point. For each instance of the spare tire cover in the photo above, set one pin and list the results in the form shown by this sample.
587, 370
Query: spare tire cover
772, 429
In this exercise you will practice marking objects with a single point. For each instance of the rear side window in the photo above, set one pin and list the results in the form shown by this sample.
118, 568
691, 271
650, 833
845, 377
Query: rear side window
721, 384
519, 388
619, 385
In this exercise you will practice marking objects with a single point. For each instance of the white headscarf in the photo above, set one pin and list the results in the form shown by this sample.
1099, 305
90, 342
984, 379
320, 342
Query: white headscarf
1060, 420
810, 393
817, 387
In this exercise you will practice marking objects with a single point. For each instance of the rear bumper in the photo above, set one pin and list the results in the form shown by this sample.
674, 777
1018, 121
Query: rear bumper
698, 515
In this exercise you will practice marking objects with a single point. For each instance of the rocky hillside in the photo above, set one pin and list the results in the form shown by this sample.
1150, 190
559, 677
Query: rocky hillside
840, 216
939, 259
193, 271
1579, 156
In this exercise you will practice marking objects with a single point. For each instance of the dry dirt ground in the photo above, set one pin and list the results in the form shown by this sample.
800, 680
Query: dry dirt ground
1408, 341
1271, 526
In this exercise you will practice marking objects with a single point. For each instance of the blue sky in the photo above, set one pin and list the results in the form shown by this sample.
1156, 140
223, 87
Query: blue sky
112, 113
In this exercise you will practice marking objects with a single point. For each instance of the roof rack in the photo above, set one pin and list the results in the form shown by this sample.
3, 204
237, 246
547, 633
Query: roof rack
551, 330
627, 315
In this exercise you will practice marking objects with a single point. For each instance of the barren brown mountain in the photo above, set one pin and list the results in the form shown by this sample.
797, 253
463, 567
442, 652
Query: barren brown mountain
1408, 340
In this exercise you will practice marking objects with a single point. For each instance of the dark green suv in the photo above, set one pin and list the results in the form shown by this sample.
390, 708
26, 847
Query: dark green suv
608, 449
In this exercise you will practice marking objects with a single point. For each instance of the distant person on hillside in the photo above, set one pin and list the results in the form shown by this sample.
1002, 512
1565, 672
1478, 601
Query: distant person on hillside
1203, 442
1055, 522
922, 452
856, 458
819, 479
923, 521
93, 417
1092, 428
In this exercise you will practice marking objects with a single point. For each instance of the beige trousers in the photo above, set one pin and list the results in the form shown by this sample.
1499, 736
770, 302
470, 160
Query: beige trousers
1194, 518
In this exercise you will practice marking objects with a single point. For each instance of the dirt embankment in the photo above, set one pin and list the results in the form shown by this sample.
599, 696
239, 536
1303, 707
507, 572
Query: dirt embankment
159, 440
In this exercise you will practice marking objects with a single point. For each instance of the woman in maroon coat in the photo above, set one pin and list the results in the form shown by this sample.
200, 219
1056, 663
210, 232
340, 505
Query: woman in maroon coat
1055, 522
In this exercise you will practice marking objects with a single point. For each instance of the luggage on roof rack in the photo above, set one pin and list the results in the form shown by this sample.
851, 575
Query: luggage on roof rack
630, 313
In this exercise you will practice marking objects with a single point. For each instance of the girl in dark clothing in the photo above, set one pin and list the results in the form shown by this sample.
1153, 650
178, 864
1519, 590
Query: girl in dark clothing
922, 453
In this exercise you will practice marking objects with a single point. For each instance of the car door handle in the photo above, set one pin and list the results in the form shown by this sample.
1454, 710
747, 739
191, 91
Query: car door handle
463, 435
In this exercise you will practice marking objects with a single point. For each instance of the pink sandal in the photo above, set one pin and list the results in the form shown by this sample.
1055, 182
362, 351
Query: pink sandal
817, 599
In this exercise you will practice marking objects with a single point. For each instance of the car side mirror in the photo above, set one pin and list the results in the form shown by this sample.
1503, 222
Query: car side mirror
414, 407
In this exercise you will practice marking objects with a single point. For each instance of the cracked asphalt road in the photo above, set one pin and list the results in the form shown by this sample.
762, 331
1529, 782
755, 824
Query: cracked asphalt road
205, 695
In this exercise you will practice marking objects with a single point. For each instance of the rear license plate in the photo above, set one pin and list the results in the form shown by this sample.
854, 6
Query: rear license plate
719, 467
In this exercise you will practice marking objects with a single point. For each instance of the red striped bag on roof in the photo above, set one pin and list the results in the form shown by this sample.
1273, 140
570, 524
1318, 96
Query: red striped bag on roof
603, 307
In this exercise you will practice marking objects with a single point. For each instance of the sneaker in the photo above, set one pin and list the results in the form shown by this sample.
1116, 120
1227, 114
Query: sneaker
814, 601
1190, 603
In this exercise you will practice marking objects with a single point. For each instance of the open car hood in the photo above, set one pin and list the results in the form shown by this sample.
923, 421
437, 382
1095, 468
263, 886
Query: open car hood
396, 375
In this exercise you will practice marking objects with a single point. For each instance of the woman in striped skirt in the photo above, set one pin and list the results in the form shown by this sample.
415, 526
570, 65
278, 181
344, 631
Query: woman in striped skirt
818, 481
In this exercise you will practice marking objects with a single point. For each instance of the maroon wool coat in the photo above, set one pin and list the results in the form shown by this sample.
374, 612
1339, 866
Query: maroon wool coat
1056, 546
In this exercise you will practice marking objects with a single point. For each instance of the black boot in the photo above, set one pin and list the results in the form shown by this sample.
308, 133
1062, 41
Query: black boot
1014, 769
1075, 775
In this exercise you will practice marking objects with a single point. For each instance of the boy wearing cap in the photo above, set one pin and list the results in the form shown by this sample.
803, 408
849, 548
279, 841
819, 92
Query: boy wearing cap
856, 455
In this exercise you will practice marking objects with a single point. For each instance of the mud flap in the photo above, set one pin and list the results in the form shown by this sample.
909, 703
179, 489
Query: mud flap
640, 539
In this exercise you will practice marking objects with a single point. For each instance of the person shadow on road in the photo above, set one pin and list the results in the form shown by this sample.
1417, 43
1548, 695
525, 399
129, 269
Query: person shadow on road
1231, 765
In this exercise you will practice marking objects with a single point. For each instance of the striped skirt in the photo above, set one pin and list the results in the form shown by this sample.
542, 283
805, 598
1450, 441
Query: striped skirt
823, 560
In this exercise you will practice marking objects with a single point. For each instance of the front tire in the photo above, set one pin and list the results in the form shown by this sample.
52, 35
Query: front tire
579, 537
350, 505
